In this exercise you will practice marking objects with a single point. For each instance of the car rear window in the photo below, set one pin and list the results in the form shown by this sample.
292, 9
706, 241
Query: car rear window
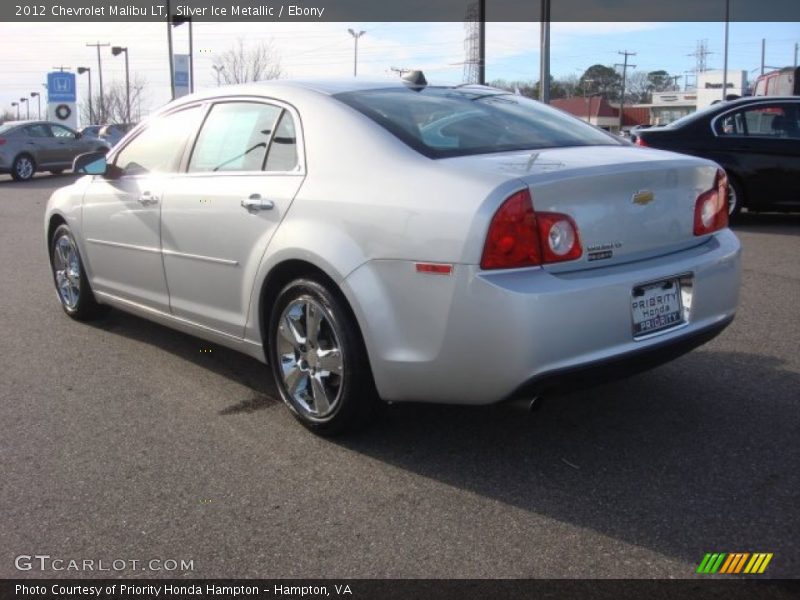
440, 122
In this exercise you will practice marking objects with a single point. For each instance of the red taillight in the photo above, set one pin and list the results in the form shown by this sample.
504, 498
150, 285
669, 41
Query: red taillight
640, 141
2, 141
711, 207
520, 237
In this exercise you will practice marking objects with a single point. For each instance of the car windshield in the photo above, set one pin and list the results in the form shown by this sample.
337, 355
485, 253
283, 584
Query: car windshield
442, 122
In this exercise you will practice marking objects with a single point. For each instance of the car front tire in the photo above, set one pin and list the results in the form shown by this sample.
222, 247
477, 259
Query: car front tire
24, 168
72, 286
318, 359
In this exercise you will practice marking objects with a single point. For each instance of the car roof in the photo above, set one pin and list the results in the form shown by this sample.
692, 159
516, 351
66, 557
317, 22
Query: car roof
292, 87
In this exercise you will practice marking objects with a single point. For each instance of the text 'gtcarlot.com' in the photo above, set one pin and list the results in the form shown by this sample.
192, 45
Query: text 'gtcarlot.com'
45, 562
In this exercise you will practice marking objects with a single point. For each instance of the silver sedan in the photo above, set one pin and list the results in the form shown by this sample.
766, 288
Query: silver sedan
399, 242
30, 146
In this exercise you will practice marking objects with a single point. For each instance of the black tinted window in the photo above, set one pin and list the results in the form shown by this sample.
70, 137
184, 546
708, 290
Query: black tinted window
159, 147
441, 122
234, 137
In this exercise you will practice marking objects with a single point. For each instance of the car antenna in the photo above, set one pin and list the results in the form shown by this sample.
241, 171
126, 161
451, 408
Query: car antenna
415, 80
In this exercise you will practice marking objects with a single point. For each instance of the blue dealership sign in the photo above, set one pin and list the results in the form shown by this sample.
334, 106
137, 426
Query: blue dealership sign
60, 87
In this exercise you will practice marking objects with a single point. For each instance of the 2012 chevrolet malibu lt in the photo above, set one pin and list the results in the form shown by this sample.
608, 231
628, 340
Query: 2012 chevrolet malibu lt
399, 241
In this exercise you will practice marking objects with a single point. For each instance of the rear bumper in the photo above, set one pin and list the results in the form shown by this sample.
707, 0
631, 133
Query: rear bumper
619, 366
478, 337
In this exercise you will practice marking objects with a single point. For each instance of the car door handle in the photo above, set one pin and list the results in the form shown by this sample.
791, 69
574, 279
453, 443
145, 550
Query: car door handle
147, 199
255, 202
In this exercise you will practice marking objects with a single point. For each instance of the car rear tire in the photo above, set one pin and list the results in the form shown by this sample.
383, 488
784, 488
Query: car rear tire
318, 359
72, 286
735, 197
24, 168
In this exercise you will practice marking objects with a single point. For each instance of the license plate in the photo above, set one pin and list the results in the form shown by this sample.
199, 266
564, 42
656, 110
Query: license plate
656, 306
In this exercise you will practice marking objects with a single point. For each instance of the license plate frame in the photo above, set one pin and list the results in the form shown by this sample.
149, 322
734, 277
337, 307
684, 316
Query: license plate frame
656, 307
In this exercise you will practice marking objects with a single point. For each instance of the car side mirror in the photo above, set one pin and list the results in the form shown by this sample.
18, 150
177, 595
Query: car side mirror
90, 163
78, 135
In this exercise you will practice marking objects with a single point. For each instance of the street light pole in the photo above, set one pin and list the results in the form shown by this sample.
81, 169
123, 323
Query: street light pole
116, 51
356, 35
17, 105
81, 71
27, 108
98, 45
38, 104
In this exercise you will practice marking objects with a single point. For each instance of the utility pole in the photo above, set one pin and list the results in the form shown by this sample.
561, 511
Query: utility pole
763, 53
98, 45
624, 66
544, 54
795, 54
725, 59
169, 50
482, 42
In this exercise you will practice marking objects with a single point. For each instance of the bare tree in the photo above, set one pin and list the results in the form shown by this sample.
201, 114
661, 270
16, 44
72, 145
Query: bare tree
244, 63
113, 109
7, 115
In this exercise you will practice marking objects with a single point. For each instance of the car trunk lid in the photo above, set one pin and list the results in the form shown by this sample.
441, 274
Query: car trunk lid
628, 203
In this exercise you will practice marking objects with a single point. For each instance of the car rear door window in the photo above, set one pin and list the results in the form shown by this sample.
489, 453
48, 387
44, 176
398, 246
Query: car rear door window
764, 121
234, 137
159, 147
62, 132
283, 149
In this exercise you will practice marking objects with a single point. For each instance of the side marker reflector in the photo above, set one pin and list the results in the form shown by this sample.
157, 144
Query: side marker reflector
435, 268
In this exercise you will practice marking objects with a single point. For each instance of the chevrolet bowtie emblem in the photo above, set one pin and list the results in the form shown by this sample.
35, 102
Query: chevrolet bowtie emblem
643, 197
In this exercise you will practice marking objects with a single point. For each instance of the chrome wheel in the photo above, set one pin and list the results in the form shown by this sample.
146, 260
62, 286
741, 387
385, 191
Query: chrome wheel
24, 167
67, 271
311, 358
732, 200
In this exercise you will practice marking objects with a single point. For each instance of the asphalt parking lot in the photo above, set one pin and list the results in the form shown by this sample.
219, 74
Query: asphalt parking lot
123, 440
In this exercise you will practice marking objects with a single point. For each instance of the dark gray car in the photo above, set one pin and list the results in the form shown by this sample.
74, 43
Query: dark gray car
30, 146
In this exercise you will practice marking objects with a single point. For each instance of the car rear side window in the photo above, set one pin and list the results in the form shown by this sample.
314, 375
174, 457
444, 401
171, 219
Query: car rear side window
61, 132
440, 122
283, 149
764, 121
159, 147
234, 137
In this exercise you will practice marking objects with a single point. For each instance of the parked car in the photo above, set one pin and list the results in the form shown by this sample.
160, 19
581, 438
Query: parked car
756, 140
114, 132
92, 131
337, 233
30, 146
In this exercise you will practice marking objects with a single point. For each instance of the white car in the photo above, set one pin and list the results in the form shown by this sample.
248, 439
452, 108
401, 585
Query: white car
399, 241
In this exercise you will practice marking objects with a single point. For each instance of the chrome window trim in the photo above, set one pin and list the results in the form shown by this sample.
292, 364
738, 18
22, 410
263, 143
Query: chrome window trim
207, 103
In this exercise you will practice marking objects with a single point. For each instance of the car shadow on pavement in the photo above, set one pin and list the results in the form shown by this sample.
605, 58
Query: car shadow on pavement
220, 360
780, 223
698, 455
42, 181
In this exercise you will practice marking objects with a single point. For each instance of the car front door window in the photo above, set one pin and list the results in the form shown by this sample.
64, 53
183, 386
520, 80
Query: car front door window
158, 149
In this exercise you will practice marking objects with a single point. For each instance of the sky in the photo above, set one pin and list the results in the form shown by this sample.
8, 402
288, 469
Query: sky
29, 50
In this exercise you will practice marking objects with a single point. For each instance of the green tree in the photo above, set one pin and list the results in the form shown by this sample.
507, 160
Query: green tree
600, 79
